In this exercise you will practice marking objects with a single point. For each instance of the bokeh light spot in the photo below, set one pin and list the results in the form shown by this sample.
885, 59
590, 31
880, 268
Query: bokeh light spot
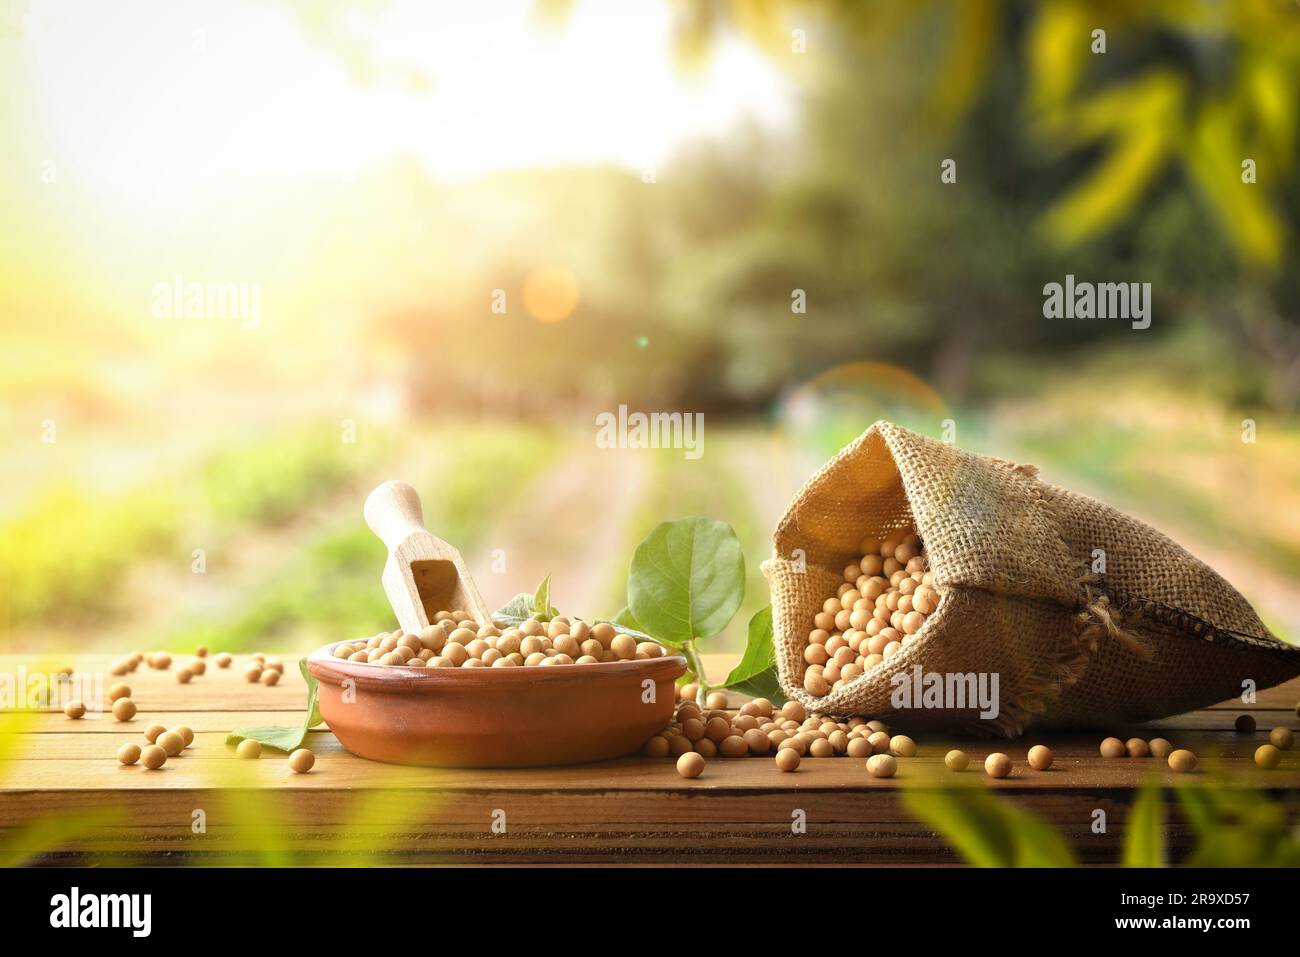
550, 293
834, 407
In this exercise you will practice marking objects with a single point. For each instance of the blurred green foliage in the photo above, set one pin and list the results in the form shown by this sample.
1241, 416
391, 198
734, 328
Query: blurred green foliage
1238, 827
332, 591
1125, 164
988, 831
64, 556
1233, 827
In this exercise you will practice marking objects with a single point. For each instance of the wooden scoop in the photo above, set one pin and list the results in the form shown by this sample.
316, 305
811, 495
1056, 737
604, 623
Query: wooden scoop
424, 575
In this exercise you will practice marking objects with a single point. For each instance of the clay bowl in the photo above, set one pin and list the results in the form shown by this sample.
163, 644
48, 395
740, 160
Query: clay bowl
494, 717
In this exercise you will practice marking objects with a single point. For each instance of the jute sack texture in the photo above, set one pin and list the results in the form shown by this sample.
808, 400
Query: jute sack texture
1015, 561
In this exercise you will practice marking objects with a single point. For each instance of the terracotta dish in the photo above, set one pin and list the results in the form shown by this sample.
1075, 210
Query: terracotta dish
495, 717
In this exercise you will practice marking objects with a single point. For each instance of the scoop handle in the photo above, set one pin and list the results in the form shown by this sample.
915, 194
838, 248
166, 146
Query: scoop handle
393, 512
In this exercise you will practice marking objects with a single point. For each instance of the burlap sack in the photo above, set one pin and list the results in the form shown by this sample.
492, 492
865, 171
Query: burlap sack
1013, 558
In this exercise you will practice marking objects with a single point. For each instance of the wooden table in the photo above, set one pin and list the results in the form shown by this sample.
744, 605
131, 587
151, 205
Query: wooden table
62, 776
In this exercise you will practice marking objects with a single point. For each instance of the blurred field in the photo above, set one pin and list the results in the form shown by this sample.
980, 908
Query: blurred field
290, 565
460, 252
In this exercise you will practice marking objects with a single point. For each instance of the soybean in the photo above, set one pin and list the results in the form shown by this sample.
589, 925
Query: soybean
821, 748
248, 748
690, 765
956, 760
1040, 757
997, 765
1268, 756
124, 709
75, 710
859, 748
1182, 760
128, 753
734, 746
153, 757
1136, 748
1281, 738
881, 607
787, 759
903, 746
1113, 748
301, 761
882, 765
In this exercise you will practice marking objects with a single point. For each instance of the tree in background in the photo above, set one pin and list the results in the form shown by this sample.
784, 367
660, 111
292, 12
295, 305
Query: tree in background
1150, 142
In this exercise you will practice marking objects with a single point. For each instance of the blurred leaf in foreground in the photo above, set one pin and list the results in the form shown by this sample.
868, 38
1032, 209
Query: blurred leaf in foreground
1144, 834
1236, 827
48, 833
990, 831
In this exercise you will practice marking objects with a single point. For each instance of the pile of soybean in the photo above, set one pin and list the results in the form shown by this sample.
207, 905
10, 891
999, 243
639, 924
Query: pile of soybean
759, 728
455, 640
878, 610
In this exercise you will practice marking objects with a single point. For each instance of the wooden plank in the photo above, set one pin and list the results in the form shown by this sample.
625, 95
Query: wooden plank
218, 689
863, 826
88, 762
55, 722
634, 809
1217, 719
863, 842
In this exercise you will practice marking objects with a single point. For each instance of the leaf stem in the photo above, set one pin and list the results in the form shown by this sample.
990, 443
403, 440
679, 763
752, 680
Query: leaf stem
697, 668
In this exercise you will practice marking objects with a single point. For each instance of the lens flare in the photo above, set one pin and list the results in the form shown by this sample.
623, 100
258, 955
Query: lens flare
550, 294
835, 406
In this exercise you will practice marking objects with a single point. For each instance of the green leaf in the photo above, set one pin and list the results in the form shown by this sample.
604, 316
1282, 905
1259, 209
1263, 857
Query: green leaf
626, 619
272, 736
756, 673
1198, 810
542, 599
1236, 828
625, 623
516, 611
524, 606
1037, 843
278, 736
48, 833
687, 579
989, 832
1144, 836
313, 705
975, 830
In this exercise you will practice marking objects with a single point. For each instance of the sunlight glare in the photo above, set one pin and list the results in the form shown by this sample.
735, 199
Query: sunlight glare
175, 102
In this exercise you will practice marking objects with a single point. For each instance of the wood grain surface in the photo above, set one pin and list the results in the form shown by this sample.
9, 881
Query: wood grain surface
633, 810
